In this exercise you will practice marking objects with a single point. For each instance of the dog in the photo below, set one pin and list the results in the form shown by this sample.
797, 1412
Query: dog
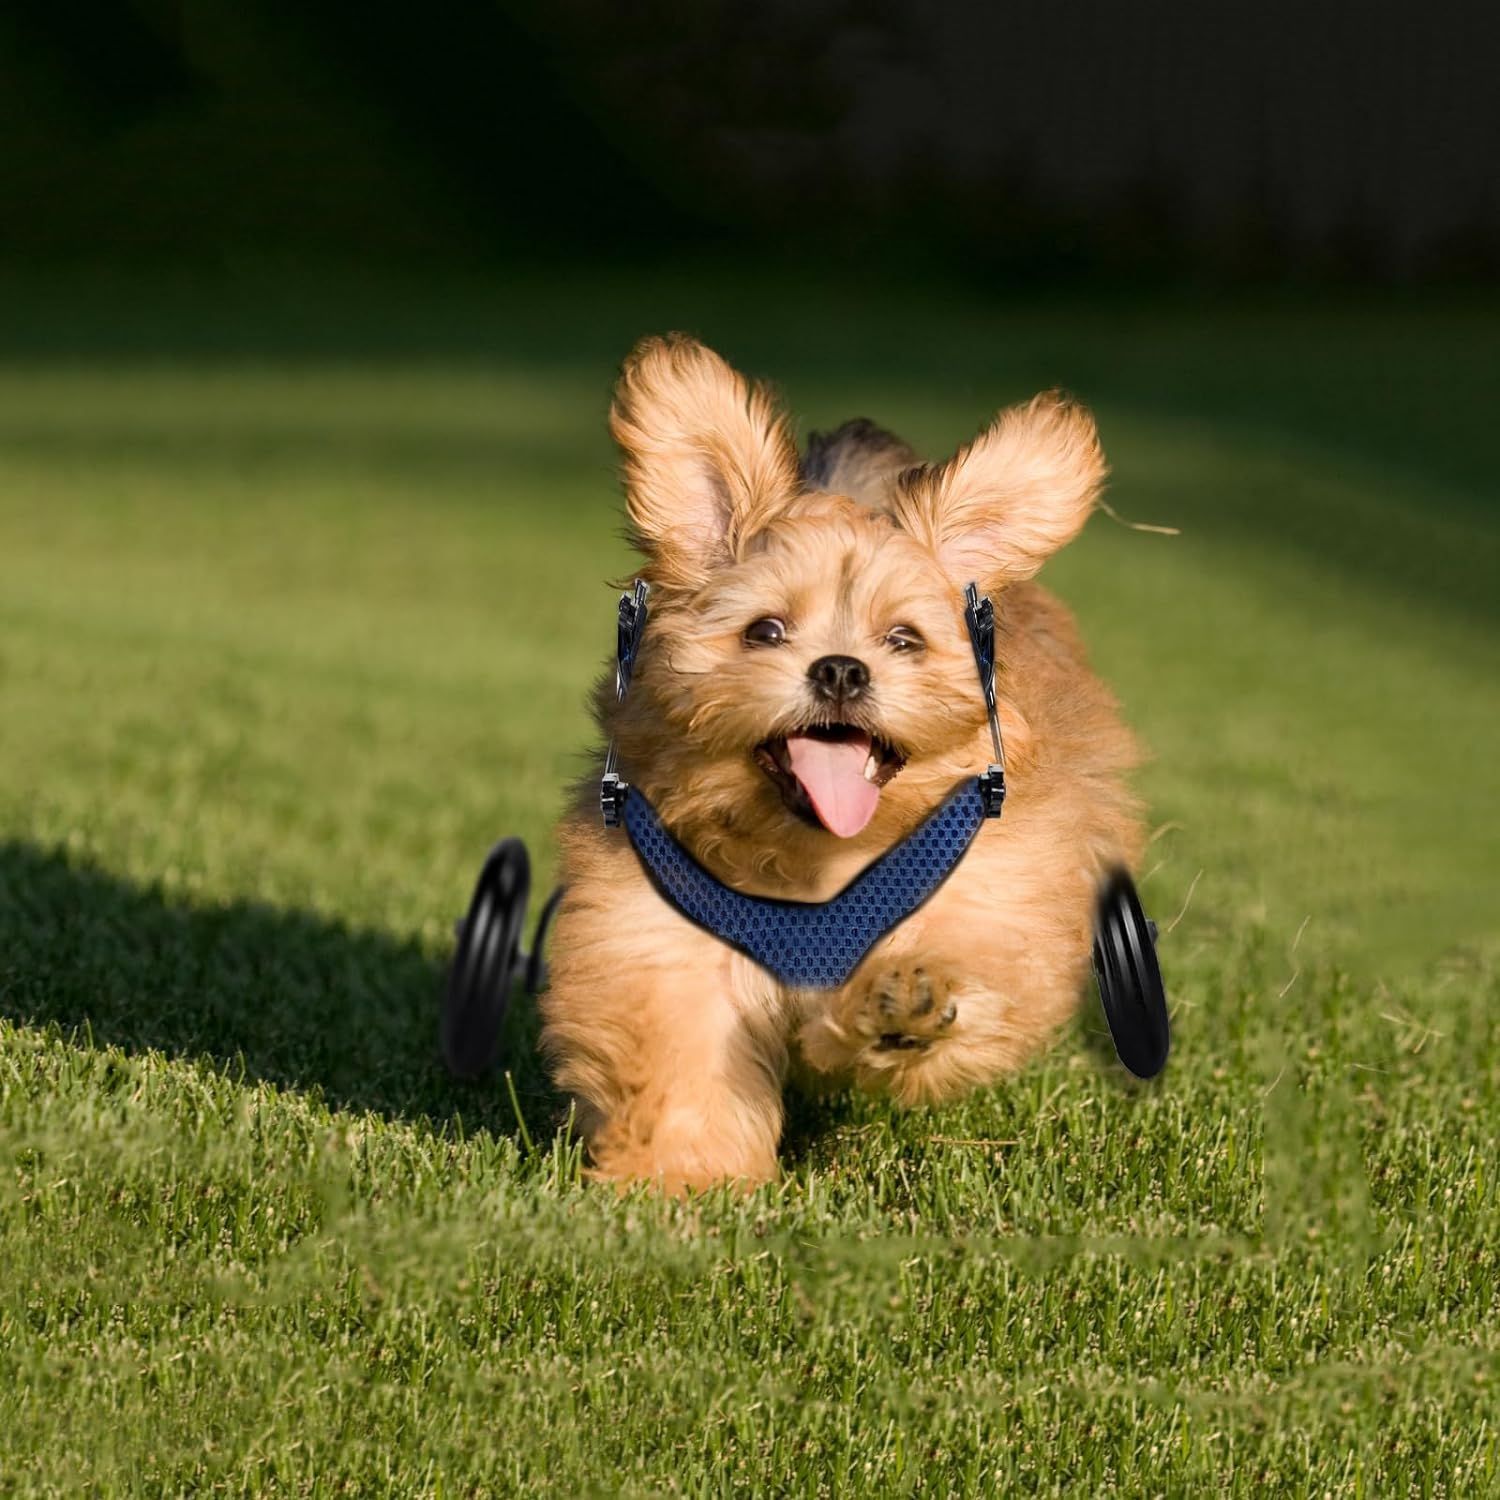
805, 696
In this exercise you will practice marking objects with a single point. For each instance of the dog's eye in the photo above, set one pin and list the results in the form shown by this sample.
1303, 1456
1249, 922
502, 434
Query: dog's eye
767, 632
904, 638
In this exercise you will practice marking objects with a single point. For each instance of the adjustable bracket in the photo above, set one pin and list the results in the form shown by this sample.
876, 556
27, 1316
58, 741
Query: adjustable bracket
632, 624
979, 616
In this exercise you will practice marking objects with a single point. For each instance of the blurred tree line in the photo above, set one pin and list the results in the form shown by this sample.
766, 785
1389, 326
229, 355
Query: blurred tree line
1331, 138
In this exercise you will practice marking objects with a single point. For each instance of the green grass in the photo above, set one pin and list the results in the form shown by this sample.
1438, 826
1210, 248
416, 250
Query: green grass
300, 591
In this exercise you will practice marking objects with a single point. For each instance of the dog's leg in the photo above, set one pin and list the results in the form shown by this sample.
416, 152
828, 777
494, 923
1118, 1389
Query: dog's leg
677, 1074
922, 1033
691, 1099
969, 987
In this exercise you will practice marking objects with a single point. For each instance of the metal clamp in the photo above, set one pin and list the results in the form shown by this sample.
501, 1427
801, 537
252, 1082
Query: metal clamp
632, 625
979, 616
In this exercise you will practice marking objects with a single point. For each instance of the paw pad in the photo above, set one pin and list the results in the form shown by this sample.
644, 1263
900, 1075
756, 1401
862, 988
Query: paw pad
912, 1010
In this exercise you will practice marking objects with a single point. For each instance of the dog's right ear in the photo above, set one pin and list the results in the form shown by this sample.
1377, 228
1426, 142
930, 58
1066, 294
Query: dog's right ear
708, 458
998, 509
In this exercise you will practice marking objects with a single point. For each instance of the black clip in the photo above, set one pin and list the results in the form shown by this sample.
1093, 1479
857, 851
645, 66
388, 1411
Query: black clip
613, 788
992, 791
979, 616
612, 792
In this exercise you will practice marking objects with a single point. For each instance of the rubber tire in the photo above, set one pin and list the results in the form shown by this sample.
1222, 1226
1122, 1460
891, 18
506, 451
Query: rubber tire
485, 962
1129, 978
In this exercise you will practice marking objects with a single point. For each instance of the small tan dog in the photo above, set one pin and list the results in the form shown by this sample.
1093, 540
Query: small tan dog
805, 696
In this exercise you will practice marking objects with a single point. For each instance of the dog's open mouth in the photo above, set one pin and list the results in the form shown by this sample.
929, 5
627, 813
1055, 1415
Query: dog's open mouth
831, 773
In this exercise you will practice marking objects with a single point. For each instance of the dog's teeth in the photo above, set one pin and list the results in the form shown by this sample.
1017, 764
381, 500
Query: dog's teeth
872, 767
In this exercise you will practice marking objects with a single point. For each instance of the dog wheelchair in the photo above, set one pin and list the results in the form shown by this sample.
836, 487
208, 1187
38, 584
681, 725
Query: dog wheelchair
817, 945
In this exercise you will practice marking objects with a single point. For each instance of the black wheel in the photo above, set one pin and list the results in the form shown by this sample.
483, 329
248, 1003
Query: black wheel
1129, 978
486, 961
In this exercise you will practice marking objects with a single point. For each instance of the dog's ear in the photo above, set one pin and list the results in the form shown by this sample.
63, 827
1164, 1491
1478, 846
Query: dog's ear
708, 458
999, 508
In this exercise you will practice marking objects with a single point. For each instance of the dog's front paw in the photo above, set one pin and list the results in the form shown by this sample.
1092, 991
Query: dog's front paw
888, 1024
906, 1009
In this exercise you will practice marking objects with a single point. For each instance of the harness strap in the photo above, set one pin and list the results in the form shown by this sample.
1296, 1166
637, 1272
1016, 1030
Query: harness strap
979, 616
628, 631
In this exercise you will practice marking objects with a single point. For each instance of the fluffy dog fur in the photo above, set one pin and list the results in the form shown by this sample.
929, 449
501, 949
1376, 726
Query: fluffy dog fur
676, 1047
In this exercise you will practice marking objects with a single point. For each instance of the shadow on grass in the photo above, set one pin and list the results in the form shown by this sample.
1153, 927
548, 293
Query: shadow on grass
813, 1120
286, 997
296, 1000
268, 994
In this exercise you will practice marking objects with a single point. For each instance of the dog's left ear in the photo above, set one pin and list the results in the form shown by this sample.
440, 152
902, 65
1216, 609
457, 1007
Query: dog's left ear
708, 458
999, 508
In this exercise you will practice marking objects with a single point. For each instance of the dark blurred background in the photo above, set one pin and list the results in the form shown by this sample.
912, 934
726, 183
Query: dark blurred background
1243, 141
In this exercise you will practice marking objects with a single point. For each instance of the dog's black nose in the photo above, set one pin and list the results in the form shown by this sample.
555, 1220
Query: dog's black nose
839, 679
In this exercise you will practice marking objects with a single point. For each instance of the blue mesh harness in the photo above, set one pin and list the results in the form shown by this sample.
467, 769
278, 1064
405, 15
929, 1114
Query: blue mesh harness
812, 945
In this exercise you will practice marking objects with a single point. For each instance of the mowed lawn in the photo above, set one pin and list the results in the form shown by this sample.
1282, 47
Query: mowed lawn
301, 589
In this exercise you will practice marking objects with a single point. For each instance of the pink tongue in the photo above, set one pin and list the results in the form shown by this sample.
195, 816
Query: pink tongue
832, 773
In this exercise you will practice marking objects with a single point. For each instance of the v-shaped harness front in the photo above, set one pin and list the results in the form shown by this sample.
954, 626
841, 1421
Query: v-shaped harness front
811, 945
